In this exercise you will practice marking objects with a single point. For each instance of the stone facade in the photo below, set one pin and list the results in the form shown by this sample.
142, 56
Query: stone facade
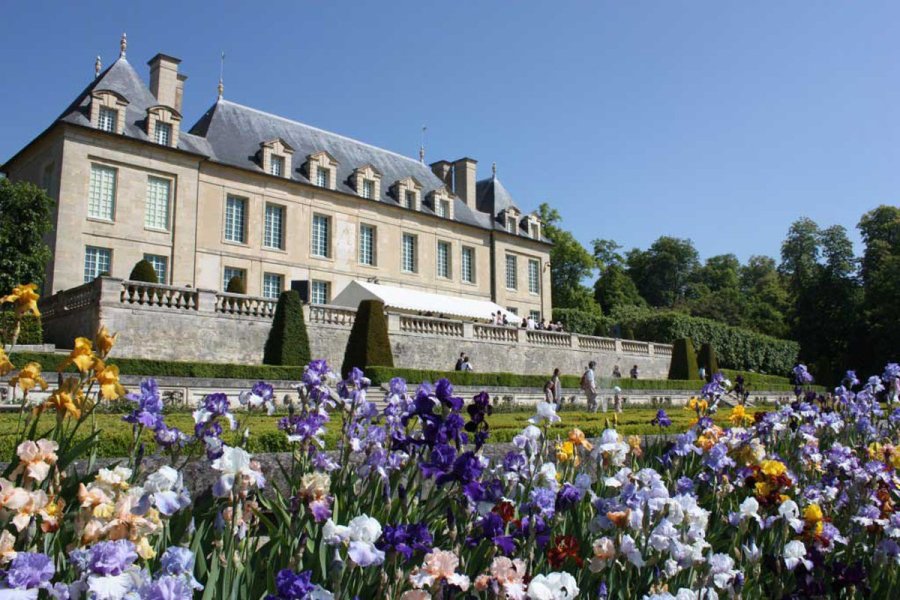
175, 323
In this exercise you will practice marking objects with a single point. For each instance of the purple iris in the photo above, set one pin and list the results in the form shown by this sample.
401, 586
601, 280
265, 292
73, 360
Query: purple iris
292, 586
661, 419
111, 558
148, 412
30, 570
406, 539
491, 527
717, 458
568, 496
801, 375
168, 587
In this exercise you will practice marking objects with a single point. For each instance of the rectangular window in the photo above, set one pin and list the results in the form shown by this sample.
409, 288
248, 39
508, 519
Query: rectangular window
276, 165
273, 285
534, 277
235, 219
96, 261
321, 177
468, 264
108, 119
409, 262
410, 199
535, 315
367, 245
230, 273
156, 213
510, 224
160, 265
512, 309
368, 188
320, 236
512, 280
320, 292
163, 133
443, 209
273, 236
443, 260
102, 193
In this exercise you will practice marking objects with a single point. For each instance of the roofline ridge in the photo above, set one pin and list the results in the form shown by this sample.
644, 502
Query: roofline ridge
314, 128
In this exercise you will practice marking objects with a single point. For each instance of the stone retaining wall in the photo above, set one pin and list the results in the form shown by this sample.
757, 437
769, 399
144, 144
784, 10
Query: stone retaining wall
174, 323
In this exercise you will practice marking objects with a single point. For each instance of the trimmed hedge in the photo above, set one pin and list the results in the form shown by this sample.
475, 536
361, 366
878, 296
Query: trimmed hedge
288, 342
707, 359
684, 360
737, 348
31, 332
144, 271
368, 344
236, 285
757, 380
582, 321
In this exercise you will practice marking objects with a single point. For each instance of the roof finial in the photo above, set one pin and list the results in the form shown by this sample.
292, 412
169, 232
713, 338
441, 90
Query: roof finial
123, 45
222, 76
97, 66
494, 170
422, 146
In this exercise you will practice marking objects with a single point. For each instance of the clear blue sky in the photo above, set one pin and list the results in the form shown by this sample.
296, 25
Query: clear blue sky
717, 121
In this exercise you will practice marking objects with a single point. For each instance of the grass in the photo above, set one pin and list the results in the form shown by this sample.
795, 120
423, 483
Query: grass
115, 437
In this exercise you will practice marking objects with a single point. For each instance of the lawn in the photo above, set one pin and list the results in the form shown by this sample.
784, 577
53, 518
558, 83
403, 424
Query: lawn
115, 437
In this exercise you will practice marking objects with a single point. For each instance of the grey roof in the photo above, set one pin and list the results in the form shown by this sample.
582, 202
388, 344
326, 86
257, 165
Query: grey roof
231, 134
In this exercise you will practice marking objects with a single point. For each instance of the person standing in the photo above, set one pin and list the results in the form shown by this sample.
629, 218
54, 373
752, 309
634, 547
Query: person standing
589, 385
617, 402
617, 374
703, 373
634, 372
557, 389
459, 362
466, 365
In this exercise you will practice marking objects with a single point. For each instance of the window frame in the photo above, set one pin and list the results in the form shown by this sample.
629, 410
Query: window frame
328, 237
109, 254
265, 277
373, 243
368, 188
414, 260
245, 202
512, 275
448, 258
107, 110
165, 260
279, 161
97, 167
236, 271
168, 211
165, 130
323, 177
282, 228
462, 264
536, 288
312, 291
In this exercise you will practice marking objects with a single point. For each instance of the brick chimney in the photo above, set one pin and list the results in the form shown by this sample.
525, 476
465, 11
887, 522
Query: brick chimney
165, 83
464, 172
444, 170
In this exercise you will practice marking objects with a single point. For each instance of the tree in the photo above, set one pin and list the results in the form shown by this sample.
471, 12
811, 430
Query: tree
26, 216
606, 253
615, 289
570, 264
684, 360
288, 342
662, 272
880, 274
368, 344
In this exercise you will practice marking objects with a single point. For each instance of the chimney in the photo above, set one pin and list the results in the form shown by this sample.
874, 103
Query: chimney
164, 80
442, 169
179, 92
464, 171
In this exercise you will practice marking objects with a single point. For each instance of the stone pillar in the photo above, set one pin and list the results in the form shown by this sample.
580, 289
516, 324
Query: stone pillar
206, 301
110, 290
573, 340
468, 330
393, 323
650, 349
618, 346
521, 335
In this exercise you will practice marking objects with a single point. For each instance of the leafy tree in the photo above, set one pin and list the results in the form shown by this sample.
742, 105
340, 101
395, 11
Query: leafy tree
570, 264
880, 274
662, 272
26, 216
614, 288
606, 253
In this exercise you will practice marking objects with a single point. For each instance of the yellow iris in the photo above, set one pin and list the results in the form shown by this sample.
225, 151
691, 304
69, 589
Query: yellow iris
566, 452
5, 365
108, 378
739, 415
763, 489
577, 437
68, 399
812, 513
29, 377
82, 356
105, 341
25, 298
772, 468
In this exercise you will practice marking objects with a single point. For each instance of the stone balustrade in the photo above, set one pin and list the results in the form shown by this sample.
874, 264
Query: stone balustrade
430, 326
324, 314
163, 296
249, 306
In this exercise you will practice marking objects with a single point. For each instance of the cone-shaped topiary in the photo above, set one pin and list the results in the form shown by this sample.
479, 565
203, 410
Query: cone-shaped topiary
708, 360
368, 344
144, 271
288, 342
684, 360
236, 285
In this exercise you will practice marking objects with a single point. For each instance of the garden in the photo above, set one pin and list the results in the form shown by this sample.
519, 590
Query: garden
396, 493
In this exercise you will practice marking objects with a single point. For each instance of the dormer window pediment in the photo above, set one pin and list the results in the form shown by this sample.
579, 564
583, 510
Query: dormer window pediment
163, 125
108, 111
441, 202
366, 180
408, 193
511, 218
321, 170
275, 157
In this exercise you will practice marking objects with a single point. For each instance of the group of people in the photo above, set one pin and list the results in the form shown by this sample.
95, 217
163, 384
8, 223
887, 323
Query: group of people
553, 389
617, 374
529, 322
463, 363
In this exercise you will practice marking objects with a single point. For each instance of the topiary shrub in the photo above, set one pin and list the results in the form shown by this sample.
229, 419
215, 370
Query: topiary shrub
143, 271
236, 285
368, 344
684, 360
30, 332
288, 342
708, 360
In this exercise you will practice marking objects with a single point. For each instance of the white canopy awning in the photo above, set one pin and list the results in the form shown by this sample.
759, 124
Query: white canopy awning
412, 300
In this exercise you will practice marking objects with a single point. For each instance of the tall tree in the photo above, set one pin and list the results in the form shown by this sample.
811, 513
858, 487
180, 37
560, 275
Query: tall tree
880, 274
614, 288
662, 272
570, 264
26, 216
767, 297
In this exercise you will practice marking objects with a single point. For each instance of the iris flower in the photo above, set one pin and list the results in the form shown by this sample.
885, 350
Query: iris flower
25, 298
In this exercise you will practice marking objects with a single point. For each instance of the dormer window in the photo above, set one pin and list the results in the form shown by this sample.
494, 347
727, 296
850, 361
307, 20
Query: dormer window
276, 166
367, 182
408, 193
511, 220
275, 157
534, 226
321, 169
409, 199
163, 134
108, 119
441, 202
443, 208
510, 225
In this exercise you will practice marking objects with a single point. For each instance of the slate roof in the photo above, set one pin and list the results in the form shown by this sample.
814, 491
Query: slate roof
230, 133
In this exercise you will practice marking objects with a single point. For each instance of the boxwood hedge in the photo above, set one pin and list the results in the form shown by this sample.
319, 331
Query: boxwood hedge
31, 331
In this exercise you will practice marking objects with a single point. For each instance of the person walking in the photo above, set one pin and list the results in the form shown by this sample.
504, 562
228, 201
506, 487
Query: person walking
634, 372
459, 362
589, 385
617, 402
557, 389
